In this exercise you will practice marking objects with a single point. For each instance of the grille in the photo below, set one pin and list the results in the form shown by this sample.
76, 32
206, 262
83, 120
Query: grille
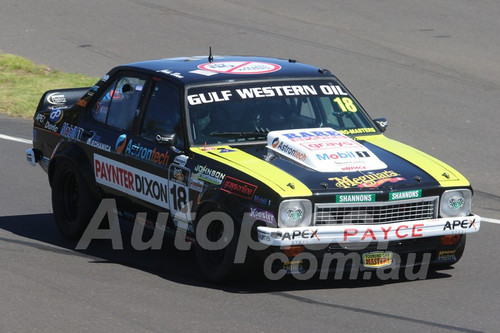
376, 212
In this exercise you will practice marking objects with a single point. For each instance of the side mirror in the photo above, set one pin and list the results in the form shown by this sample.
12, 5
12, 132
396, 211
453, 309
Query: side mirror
166, 139
381, 124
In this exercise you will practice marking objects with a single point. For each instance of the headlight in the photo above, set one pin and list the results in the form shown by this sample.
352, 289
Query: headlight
456, 203
295, 213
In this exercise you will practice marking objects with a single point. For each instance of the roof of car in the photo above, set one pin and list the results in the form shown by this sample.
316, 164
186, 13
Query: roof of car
199, 69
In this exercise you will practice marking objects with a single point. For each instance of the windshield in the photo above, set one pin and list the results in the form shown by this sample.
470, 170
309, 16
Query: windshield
247, 112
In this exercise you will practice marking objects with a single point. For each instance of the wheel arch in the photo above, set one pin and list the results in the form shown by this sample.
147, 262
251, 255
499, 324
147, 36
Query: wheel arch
76, 156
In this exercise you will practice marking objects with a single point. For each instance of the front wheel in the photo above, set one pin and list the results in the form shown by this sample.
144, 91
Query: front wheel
217, 239
72, 202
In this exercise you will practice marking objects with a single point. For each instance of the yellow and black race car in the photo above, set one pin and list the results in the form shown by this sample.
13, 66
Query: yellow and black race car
248, 156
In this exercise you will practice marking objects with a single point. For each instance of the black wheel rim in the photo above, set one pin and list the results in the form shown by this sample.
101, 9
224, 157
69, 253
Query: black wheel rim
70, 196
215, 230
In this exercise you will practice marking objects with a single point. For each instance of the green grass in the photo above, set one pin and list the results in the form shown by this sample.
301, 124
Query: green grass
22, 84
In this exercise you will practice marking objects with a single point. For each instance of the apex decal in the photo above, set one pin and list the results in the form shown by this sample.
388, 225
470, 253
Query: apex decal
459, 225
296, 234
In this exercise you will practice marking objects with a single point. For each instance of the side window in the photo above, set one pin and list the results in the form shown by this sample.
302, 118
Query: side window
162, 113
117, 106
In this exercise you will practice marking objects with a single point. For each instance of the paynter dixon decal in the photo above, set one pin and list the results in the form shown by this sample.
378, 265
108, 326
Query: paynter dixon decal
130, 180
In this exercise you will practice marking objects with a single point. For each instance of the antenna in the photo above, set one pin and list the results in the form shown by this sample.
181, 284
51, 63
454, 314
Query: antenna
210, 56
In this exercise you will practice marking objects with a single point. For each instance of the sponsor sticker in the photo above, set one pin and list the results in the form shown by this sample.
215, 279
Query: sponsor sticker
121, 143
263, 215
447, 255
56, 115
71, 132
349, 198
403, 195
292, 266
56, 98
130, 180
239, 187
240, 67
324, 150
377, 259
208, 175
372, 180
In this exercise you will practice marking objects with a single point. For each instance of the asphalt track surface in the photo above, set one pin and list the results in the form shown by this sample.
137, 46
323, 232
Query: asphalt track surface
430, 67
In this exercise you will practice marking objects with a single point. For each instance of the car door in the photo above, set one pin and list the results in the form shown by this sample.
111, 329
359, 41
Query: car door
109, 123
157, 142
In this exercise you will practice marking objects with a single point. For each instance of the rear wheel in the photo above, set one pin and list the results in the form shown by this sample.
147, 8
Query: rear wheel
72, 202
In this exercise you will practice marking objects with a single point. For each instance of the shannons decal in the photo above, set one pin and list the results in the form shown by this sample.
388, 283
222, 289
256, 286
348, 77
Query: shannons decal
132, 181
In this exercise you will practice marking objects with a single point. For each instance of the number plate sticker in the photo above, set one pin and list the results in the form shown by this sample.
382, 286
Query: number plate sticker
377, 259
180, 207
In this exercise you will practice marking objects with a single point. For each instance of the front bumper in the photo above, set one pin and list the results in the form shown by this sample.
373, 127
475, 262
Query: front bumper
367, 233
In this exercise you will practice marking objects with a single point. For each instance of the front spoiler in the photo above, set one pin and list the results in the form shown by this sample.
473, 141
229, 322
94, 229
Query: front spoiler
366, 233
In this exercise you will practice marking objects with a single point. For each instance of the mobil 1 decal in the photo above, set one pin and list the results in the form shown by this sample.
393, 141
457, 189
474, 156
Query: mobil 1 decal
178, 191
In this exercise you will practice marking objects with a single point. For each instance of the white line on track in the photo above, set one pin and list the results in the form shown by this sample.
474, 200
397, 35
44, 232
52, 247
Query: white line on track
12, 138
486, 219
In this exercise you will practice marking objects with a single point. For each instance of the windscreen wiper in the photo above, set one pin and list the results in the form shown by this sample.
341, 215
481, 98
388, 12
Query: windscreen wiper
246, 135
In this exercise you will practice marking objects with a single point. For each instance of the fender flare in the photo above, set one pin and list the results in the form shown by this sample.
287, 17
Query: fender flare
76, 156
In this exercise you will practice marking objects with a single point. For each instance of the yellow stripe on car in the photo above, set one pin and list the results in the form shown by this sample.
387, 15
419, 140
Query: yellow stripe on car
277, 179
443, 173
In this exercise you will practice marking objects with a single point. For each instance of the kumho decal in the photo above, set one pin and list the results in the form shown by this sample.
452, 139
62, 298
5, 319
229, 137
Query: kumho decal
152, 155
130, 180
372, 180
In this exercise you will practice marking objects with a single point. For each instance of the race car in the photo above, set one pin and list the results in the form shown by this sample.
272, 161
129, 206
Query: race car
249, 158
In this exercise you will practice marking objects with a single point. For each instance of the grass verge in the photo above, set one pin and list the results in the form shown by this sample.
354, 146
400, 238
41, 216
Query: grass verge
22, 84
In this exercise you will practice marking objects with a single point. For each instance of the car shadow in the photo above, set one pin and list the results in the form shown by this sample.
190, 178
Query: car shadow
169, 263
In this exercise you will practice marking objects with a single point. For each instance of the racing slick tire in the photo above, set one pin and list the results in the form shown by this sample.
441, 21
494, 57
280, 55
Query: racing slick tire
73, 204
217, 239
